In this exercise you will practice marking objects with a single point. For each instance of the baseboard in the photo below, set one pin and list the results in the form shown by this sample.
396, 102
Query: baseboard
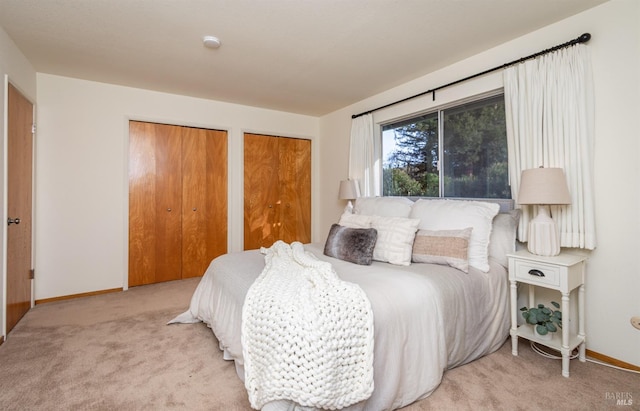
611, 361
70, 297
1, 339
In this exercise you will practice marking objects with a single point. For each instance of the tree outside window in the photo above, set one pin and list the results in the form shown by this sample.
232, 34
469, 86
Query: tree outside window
456, 152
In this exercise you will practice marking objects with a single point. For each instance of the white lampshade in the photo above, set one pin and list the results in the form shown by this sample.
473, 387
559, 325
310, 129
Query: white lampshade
543, 187
349, 190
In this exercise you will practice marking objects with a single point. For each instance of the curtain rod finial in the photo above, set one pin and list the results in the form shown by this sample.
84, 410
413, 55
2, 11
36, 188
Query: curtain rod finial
584, 38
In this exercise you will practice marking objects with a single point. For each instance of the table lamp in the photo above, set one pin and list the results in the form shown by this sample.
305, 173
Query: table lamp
543, 187
349, 190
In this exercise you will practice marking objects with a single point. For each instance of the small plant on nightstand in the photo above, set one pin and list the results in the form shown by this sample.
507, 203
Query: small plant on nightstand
544, 319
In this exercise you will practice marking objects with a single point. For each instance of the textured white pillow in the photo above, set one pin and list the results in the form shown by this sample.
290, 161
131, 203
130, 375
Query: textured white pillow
395, 239
355, 220
383, 206
459, 214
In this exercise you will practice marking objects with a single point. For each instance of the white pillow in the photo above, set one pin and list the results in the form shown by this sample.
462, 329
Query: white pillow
458, 215
503, 236
383, 206
395, 239
355, 220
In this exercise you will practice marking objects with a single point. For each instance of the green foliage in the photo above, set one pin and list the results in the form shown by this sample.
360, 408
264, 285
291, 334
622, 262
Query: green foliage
398, 182
545, 319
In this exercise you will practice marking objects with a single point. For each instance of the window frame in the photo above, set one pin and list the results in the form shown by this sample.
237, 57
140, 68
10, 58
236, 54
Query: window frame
439, 109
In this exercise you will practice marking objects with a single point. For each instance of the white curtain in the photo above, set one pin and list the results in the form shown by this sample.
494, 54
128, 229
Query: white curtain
364, 156
549, 116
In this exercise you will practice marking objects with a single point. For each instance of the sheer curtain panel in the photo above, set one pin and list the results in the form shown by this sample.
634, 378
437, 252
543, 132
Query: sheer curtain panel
364, 156
549, 116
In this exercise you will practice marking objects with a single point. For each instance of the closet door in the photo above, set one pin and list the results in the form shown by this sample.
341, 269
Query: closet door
295, 190
261, 192
155, 206
277, 190
177, 201
204, 198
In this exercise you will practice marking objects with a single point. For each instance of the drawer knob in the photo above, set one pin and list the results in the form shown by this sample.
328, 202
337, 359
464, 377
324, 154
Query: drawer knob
537, 273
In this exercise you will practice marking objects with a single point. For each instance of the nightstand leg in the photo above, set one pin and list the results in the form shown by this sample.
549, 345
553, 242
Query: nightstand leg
532, 295
514, 318
583, 346
565, 335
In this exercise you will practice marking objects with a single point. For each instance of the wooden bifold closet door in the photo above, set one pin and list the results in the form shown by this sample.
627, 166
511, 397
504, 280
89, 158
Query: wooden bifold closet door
177, 201
277, 190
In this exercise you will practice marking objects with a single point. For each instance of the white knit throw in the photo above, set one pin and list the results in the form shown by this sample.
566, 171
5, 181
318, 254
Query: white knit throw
307, 336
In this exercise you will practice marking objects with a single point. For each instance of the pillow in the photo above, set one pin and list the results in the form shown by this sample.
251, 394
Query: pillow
503, 236
355, 220
395, 239
457, 215
351, 244
444, 247
383, 206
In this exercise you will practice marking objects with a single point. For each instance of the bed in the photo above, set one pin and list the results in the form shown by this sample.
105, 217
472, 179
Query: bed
428, 316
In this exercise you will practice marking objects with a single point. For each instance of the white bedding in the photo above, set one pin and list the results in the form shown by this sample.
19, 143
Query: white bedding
427, 318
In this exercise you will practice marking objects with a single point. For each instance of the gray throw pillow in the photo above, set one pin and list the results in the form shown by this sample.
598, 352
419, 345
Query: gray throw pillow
351, 244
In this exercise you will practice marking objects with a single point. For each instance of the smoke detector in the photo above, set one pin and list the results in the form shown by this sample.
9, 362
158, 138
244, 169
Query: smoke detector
211, 42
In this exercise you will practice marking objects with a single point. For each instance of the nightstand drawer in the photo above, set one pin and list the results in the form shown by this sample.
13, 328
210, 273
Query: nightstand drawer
542, 274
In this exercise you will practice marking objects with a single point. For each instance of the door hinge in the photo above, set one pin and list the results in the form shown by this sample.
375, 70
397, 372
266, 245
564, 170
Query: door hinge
32, 274
33, 128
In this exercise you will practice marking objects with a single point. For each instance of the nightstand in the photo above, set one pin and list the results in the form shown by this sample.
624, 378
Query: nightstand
563, 273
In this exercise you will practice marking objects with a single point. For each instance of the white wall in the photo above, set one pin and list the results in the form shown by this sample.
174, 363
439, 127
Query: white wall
15, 69
81, 173
613, 273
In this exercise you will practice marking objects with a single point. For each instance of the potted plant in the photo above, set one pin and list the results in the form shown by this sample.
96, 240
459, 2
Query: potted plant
544, 319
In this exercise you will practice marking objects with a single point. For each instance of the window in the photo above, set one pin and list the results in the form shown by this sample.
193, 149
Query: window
458, 151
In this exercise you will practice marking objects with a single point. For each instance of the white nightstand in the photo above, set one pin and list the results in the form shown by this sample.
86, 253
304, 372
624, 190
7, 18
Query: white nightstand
563, 273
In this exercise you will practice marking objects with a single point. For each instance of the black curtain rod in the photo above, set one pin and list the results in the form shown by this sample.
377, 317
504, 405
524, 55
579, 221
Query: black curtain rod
582, 39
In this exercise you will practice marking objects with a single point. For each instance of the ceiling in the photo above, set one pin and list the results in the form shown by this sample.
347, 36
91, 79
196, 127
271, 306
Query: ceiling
301, 56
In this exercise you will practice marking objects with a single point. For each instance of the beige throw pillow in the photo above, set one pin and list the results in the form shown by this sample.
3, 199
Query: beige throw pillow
444, 247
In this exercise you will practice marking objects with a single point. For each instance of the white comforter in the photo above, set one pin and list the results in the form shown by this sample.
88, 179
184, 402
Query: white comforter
427, 318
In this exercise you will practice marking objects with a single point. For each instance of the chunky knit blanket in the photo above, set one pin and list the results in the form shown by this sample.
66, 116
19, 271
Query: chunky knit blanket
307, 336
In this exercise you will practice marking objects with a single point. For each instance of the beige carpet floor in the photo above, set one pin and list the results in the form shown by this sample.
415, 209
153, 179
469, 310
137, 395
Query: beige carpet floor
115, 352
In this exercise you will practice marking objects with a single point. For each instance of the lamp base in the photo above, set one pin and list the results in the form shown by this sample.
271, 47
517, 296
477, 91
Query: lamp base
543, 234
349, 208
